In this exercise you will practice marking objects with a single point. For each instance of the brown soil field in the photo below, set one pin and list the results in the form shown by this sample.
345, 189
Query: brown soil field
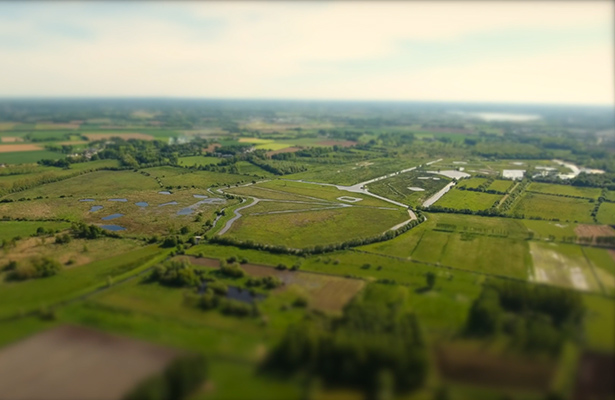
595, 377
286, 150
10, 148
343, 143
476, 366
10, 139
71, 362
583, 230
123, 135
52, 125
212, 147
327, 293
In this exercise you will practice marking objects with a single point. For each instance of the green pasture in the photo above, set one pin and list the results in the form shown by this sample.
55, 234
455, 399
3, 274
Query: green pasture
565, 190
471, 183
543, 206
28, 157
398, 188
606, 213
11, 229
501, 185
465, 199
198, 160
312, 228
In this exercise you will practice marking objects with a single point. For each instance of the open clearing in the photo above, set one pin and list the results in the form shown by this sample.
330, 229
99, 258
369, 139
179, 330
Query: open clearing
78, 363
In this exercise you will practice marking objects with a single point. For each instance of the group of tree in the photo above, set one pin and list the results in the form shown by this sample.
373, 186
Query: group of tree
534, 318
38, 267
177, 382
375, 346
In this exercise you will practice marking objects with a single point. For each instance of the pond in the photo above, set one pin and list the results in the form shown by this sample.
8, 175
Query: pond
112, 216
170, 203
190, 209
142, 204
199, 196
237, 293
96, 208
122, 200
86, 200
113, 227
164, 192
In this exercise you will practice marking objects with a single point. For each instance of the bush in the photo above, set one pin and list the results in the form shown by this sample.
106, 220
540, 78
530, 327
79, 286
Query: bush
38, 268
232, 271
175, 273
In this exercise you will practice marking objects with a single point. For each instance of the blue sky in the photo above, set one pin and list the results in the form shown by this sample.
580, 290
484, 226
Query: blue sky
552, 52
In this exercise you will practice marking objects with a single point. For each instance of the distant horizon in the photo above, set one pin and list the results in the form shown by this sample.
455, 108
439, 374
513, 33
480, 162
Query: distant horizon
306, 100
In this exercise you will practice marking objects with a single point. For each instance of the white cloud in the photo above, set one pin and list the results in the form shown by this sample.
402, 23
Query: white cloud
262, 50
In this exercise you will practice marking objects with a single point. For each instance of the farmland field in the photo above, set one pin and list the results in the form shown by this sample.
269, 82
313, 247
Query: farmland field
565, 190
28, 157
465, 199
606, 213
532, 205
500, 185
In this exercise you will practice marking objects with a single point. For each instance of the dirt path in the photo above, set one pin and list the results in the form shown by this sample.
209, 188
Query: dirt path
507, 194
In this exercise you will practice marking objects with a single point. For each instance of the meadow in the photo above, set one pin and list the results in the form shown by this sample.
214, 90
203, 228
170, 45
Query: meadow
555, 208
403, 188
606, 213
564, 190
468, 200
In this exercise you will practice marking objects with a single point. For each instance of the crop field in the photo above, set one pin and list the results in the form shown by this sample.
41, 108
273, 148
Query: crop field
610, 195
603, 263
557, 208
565, 190
606, 213
247, 168
465, 199
562, 265
550, 229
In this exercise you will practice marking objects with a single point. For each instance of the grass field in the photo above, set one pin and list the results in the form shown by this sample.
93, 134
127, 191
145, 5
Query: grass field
28, 157
31, 295
311, 228
610, 195
606, 213
471, 183
465, 199
501, 185
565, 190
198, 160
603, 263
11, 229
533, 205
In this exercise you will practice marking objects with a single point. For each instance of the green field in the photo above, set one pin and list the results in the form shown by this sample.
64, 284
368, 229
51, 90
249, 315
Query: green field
465, 199
398, 188
471, 183
500, 185
11, 229
606, 213
312, 228
557, 208
198, 160
28, 157
565, 190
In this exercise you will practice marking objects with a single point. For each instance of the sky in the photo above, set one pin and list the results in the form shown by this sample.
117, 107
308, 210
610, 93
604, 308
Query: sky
485, 51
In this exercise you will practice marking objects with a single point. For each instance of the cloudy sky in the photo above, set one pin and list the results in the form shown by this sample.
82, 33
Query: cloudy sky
551, 52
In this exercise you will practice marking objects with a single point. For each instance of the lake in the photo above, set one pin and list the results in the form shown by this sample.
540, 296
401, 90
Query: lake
112, 216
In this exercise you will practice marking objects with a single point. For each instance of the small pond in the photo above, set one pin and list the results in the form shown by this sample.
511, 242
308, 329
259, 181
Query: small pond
164, 192
185, 211
122, 200
96, 208
170, 203
113, 227
142, 204
237, 293
199, 196
86, 200
112, 216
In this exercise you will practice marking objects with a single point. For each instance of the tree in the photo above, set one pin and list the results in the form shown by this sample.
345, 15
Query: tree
430, 277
